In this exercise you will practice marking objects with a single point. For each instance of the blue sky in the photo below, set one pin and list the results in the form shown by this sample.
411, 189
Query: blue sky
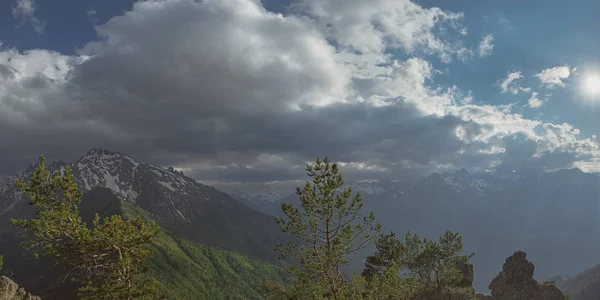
68, 25
405, 83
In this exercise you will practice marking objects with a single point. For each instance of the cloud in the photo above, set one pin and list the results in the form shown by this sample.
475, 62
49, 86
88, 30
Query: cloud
534, 101
231, 92
92, 14
553, 77
24, 10
509, 79
370, 28
486, 46
508, 85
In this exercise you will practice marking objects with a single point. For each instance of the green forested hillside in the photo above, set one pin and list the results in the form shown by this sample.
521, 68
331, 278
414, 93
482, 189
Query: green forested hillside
183, 268
188, 270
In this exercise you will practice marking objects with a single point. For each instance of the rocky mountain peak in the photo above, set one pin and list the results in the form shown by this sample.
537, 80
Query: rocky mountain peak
177, 203
106, 168
101, 151
459, 180
460, 176
462, 172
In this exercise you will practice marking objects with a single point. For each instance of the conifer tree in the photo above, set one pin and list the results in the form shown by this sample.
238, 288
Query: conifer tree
434, 267
429, 270
327, 228
107, 260
389, 251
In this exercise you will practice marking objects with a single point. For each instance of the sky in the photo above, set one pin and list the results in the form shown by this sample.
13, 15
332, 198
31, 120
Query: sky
244, 91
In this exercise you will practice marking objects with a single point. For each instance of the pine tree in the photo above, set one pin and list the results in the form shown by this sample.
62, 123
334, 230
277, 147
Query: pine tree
117, 260
326, 229
389, 252
107, 260
434, 267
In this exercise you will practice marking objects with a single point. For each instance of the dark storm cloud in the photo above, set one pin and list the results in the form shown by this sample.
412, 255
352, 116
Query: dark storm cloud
230, 92
345, 132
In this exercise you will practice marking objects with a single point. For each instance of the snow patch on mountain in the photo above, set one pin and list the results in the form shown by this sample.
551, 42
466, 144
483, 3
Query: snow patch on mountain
124, 176
167, 185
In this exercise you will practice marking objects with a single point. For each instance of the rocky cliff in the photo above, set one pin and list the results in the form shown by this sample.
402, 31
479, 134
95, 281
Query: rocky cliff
515, 282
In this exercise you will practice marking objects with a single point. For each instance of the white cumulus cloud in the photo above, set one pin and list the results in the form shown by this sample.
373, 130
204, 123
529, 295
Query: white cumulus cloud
486, 46
508, 84
553, 77
534, 101
239, 94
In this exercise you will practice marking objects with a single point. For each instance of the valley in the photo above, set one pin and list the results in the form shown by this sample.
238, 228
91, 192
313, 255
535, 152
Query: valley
554, 217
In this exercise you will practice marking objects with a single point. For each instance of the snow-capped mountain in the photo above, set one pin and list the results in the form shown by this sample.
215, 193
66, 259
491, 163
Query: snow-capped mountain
179, 203
459, 181
179, 195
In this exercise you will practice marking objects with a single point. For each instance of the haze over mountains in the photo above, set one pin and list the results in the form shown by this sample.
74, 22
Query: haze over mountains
554, 216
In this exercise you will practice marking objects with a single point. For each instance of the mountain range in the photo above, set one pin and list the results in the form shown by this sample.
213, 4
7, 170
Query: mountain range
210, 237
553, 216
198, 222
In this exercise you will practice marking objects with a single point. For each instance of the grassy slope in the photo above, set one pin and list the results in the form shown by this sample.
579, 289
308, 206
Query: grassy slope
188, 270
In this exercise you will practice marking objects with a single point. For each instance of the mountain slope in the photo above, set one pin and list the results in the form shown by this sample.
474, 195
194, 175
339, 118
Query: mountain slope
188, 270
184, 269
202, 226
583, 286
178, 203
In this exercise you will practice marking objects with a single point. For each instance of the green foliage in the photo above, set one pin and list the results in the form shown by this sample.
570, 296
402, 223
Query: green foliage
188, 270
327, 229
429, 269
384, 284
389, 252
106, 260
117, 259
435, 266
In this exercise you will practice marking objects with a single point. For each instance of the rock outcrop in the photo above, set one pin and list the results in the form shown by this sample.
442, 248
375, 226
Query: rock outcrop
515, 282
467, 271
9, 290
